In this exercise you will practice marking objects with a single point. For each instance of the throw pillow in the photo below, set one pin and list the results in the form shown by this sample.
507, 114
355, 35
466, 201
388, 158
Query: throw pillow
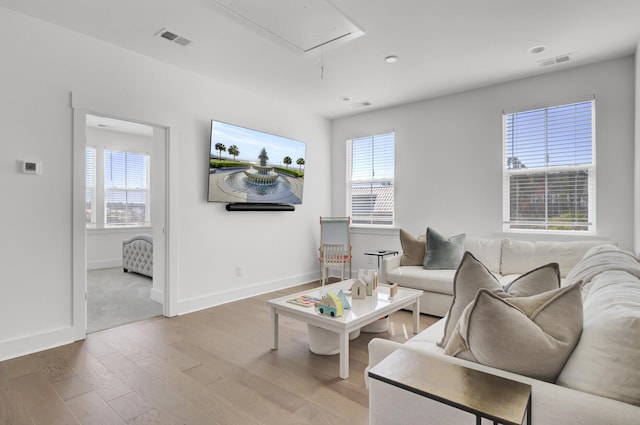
443, 253
532, 336
412, 249
472, 276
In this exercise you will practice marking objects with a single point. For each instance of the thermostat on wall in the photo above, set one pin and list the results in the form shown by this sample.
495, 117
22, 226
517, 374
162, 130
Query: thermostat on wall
32, 167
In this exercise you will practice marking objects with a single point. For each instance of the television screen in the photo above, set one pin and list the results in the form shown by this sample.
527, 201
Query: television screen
249, 166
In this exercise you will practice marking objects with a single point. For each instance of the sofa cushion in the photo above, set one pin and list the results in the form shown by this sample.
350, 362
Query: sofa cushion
472, 276
532, 336
606, 361
520, 256
443, 253
426, 280
413, 249
488, 251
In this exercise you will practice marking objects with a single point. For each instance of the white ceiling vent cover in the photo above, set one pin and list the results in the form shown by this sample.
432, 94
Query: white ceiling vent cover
171, 36
300, 25
556, 60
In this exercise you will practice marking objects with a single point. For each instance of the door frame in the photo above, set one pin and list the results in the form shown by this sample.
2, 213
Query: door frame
79, 235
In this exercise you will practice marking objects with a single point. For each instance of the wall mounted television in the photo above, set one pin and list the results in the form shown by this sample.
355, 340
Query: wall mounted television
253, 170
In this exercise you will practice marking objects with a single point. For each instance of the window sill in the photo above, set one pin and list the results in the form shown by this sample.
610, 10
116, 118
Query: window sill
551, 235
119, 230
373, 230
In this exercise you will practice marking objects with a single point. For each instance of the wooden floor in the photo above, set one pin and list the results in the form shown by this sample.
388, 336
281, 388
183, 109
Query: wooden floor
210, 367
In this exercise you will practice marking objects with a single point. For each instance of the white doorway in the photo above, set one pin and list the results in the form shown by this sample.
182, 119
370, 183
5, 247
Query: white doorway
99, 228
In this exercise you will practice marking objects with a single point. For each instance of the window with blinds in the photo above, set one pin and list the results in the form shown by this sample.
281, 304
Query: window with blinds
370, 189
549, 168
90, 184
126, 188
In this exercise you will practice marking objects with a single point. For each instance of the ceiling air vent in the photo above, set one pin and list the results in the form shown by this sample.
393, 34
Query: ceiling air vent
556, 60
171, 36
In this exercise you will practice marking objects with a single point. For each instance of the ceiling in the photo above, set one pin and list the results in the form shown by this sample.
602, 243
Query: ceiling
443, 46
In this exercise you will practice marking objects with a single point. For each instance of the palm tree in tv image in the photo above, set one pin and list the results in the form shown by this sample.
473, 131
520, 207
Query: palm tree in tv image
300, 162
220, 147
287, 161
234, 151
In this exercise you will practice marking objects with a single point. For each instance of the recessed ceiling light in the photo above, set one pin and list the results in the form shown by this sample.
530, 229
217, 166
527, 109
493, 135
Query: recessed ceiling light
391, 59
537, 49
345, 98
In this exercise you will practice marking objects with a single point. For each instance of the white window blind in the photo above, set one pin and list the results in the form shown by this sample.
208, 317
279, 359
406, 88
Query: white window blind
90, 183
549, 168
126, 188
370, 189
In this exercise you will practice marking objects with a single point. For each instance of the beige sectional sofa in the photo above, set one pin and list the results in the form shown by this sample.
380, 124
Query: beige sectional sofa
598, 384
505, 258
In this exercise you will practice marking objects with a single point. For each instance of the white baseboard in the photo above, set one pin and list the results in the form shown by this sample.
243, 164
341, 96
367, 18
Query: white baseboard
104, 264
10, 349
157, 295
33, 343
212, 300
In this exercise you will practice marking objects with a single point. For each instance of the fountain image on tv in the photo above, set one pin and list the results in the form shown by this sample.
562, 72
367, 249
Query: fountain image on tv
252, 167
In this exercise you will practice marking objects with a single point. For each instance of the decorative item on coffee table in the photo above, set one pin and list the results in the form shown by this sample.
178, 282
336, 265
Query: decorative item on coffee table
345, 301
370, 279
393, 290
330, 305
358, 290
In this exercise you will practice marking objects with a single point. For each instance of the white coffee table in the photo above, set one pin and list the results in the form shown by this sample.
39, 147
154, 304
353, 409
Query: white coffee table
361, 313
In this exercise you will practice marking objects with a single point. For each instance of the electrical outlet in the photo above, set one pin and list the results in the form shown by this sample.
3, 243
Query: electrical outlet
238, 271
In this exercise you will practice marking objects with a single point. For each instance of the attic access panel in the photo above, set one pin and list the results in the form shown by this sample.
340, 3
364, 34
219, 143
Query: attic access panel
303, 25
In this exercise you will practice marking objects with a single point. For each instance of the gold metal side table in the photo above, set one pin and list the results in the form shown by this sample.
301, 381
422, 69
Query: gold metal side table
498, 399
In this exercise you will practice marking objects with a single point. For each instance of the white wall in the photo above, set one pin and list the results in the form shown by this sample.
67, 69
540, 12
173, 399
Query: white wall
449, 153
104, 246
42, 65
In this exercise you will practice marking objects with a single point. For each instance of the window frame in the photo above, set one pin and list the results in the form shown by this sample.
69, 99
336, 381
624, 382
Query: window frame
99, 206
126, 189
358, 220
547, 226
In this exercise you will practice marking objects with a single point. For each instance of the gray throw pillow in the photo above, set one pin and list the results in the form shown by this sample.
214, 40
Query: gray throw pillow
532, 336
472, 276
442, 253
